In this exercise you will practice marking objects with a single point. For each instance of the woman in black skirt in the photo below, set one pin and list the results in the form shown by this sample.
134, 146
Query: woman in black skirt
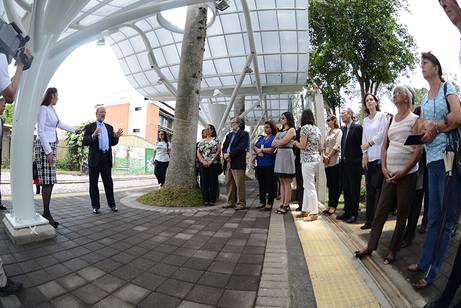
45, 147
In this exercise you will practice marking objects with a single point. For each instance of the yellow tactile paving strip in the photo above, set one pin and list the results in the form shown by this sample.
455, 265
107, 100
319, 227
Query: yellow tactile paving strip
334, 278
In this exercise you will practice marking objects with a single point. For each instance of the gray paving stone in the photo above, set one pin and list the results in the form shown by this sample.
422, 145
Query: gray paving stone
217, 280
187, 304
132, 294
205, 295
68, 301
188, 275
112, 302
160, 300
51, 289
89, 294
90, 273
272, 301
109, 283
238, 299
176, 288
11, 301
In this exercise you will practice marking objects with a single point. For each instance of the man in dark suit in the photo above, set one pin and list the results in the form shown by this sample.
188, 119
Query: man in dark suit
234, 149
351, 166
100, 137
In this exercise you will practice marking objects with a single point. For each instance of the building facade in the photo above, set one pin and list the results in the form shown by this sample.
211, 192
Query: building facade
137, 116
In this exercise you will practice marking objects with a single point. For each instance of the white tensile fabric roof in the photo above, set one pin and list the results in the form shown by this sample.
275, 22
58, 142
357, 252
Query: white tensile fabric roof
275, 32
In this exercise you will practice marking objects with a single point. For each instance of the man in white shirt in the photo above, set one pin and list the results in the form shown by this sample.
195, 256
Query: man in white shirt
9, 89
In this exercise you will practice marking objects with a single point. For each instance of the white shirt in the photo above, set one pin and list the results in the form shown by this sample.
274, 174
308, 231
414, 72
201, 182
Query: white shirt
398, 154
47, 122
4, 76
161, 151
374, 130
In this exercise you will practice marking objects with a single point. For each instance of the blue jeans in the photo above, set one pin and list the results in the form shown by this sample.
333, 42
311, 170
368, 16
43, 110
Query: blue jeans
436, 172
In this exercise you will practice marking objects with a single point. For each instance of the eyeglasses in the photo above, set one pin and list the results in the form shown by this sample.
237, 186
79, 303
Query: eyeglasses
267, 127
232, 122
283, 118
162, 134
207, 128
328, 120
396, 93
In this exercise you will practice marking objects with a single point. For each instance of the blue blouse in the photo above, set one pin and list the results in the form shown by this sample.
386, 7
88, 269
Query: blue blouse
434, 109
267, 159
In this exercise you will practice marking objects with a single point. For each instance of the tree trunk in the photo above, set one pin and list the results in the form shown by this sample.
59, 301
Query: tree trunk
181, 171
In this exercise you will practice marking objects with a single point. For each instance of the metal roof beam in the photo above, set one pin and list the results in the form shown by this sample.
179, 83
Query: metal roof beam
91, 32
153, 63
236, 90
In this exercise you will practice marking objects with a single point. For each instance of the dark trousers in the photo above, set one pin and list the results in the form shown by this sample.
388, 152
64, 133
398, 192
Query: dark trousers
351, 187
299, 183
103, 168
266, 180
453, 283
160, 171
401, 193
373, 189
333, 184
209, 178
426, 196
413, 216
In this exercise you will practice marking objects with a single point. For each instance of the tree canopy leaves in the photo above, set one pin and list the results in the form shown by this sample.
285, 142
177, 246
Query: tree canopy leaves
357, 40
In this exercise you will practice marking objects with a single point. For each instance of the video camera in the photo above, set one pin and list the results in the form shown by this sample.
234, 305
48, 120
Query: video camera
12, 42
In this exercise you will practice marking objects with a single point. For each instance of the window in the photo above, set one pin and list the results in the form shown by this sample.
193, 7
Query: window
137, 108
136, 130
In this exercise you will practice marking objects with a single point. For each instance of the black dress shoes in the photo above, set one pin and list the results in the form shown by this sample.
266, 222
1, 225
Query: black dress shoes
366, 226
342, 217
351, 219
96, 211
2, 207
422, 230
406, 243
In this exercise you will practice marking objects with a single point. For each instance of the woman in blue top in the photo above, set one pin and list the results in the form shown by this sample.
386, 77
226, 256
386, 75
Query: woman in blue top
437, 122
265, 165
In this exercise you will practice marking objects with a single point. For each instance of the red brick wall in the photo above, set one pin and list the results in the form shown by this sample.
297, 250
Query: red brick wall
152, 122
117, 116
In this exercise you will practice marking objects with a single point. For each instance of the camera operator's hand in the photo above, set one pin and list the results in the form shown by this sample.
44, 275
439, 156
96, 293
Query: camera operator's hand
96, 133
27, 52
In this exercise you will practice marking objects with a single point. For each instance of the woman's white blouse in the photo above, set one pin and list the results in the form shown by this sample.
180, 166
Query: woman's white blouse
47, 122
374, 130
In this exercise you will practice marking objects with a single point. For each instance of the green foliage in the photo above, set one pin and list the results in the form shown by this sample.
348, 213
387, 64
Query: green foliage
65, 164
357, 41
419, 95
8, 114
77, 152
172, 197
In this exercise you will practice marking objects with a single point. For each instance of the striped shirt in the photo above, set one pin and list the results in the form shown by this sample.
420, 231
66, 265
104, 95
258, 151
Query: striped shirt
398, 154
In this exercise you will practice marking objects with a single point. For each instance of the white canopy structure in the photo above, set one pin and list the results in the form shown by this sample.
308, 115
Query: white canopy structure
257, 49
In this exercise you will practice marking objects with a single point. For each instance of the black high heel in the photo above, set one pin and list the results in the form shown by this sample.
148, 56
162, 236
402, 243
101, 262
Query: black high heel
267, 208
260, 206
359, 255
284, 208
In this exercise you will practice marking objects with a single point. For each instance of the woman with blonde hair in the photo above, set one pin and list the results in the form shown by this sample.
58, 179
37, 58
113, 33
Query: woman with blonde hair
331, 154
